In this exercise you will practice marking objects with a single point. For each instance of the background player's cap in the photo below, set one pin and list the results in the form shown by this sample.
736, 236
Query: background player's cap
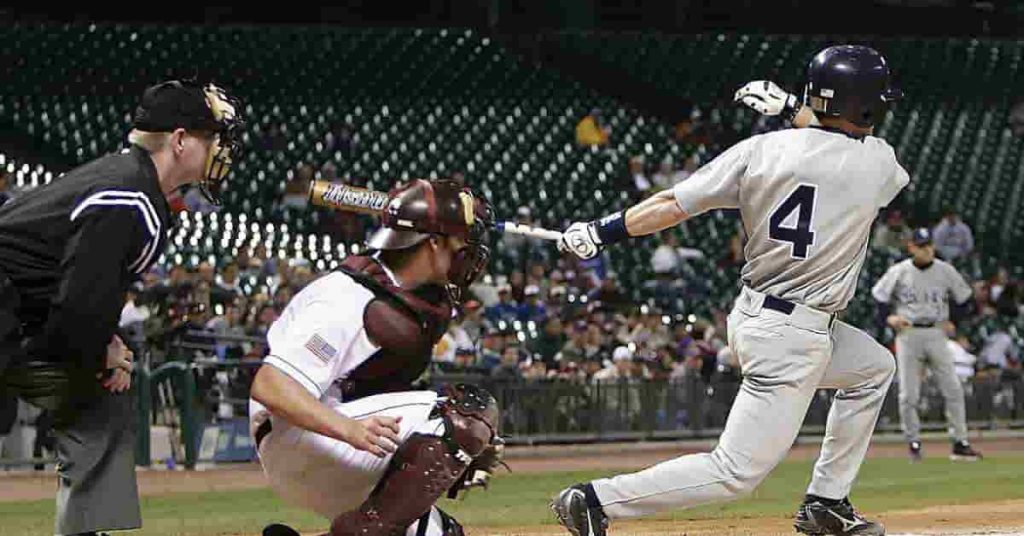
921, 237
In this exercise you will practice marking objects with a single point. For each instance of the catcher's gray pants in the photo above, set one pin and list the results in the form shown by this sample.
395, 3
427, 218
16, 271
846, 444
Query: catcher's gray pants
915, 348
785, 359
97, 489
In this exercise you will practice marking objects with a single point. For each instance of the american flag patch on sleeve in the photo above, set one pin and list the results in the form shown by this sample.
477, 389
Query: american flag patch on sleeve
320, 348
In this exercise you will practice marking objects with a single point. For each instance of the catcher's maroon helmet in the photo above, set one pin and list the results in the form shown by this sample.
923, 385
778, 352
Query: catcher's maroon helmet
421, 209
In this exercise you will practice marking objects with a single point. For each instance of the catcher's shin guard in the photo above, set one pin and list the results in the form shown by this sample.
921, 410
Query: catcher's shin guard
425, 466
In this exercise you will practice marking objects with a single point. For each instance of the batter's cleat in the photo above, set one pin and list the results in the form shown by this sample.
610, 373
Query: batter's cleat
575, 512
915, 451
278, 529
963, 452
815, 518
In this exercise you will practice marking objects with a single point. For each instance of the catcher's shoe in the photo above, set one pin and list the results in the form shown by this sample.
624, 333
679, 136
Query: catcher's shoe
915, 451
814, 518
278, 529
963, 452
575, 513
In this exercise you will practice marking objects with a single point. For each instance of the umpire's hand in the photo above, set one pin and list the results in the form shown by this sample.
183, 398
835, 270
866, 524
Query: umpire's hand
118, 376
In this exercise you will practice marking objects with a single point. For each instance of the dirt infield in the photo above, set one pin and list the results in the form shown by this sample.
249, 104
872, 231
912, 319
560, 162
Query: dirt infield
40, 485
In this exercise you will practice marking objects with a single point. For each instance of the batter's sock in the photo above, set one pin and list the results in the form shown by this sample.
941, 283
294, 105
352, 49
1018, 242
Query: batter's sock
591, 495
809, 498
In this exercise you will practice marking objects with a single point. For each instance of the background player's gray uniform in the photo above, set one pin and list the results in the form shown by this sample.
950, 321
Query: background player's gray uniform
808, 198
922, 297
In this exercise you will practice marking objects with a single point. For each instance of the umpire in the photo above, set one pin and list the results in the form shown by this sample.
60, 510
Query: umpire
914, 297
68, 252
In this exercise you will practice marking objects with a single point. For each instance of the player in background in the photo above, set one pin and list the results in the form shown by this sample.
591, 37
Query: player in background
338, 427
807, 198
913, 298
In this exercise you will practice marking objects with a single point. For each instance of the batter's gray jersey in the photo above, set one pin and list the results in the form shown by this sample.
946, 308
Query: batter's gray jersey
808, 198
921, 295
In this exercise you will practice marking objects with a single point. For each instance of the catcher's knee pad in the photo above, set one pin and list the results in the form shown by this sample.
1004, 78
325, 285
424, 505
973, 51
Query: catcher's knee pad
470, 416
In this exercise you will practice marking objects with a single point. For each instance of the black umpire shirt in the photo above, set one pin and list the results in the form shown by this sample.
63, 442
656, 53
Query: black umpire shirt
73, 247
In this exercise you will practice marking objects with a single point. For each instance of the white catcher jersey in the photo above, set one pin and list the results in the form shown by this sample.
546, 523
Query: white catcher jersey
921, 296
319, 337
807, 198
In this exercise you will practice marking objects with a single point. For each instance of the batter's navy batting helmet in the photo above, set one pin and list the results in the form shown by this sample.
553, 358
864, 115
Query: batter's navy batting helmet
851, 82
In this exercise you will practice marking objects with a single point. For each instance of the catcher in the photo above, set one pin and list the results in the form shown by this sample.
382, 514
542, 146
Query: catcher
338, 427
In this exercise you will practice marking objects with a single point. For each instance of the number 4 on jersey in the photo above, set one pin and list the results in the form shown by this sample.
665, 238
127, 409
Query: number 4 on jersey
801, 236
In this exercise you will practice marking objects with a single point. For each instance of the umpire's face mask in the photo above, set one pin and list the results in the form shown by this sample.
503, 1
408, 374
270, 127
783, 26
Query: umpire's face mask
225, 148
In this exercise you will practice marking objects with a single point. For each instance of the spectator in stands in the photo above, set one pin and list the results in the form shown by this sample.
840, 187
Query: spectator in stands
1016, 119
473, 321
229, 324
228, 281
296, 191
590, 131
246, 266
551, 340
610, 295
492, 345
733, 256
301, 274
576, 349
690, 165
532, 309
510, 368
1000, 351
506, 310
668, 257
894, 233
538, 277
649, 333
522, 248
636, 182
5, 186
342, 137
517, 285
963, 360
329, 172
953, 238
262, 261
485, 290
665, 176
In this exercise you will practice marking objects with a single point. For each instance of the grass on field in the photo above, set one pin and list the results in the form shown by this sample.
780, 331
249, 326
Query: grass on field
521, 499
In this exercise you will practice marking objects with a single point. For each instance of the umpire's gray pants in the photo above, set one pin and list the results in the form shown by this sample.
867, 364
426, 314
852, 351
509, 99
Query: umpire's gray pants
915, 348
97, 489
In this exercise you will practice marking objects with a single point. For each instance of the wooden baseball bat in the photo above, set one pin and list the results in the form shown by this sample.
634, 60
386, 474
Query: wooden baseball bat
341, 196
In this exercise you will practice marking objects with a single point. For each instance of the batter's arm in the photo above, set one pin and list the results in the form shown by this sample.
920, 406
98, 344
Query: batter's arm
287, 399
715, 185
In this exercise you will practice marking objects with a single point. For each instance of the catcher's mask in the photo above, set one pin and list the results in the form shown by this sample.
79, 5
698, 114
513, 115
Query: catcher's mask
187, 104
422, 209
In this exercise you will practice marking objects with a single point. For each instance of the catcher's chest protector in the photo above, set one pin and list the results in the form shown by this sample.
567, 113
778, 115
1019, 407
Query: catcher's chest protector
405, 324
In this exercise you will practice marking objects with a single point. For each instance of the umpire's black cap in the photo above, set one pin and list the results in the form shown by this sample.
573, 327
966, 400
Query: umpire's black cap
175, 104
921, 237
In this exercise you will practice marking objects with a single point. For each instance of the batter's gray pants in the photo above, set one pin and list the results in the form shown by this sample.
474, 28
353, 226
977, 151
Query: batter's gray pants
785, 359
915, 349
